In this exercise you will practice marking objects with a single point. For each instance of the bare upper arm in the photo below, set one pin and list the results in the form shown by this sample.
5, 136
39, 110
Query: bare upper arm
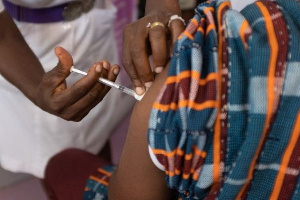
136, 176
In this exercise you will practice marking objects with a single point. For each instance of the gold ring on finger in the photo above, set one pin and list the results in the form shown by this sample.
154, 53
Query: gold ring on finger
152, 25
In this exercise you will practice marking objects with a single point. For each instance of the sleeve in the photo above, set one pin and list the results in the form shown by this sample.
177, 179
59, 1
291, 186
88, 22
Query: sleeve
1, 6
184, 112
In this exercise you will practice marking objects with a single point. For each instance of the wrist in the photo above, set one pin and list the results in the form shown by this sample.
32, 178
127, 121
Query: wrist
31, 87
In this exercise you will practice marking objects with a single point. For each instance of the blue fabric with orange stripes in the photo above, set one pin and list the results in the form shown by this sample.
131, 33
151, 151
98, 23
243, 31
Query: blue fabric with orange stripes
226, 123
96, 186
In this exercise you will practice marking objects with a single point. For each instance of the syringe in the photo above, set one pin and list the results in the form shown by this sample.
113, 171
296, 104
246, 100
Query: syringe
112, 84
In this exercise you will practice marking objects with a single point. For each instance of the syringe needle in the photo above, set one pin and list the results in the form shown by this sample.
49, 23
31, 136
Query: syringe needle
111, 84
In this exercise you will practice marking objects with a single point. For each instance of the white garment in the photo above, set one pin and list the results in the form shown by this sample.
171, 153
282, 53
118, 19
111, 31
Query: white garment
38, 3
30, 136
1, 6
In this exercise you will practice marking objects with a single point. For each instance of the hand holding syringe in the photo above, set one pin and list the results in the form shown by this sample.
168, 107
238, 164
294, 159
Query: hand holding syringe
112, 84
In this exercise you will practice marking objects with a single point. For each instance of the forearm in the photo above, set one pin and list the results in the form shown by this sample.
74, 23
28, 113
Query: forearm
18, 64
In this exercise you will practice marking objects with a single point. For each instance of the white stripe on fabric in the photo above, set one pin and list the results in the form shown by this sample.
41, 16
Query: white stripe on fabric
292, 81
206, 177
154, 160
233, 21
238, 107
276, 167
154, 120
258, 98
197, 58
201, 141
151, 138
235, 182
262, 19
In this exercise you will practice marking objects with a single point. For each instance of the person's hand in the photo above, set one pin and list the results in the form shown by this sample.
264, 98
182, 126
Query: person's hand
73, 103
140, 41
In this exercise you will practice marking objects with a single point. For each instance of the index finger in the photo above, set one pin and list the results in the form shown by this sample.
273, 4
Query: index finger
127, 60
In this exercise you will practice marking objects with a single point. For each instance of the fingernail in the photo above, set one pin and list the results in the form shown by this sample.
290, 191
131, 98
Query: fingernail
148, 84
116, 71
98, 68
159, 69
105, 65
139, 90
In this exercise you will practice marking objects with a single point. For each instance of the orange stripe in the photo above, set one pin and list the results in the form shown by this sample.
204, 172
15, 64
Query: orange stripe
168, 154
209, 28
195, 176
99, 180
208, 9
200, 29
286, 159
270, 101
172, 173
195, 22
197, 152
181, 153
187, 34
86, 189
177, 172
244, 27
200, 153
185, 175
178, 152
185, 103
104, 172
193, 74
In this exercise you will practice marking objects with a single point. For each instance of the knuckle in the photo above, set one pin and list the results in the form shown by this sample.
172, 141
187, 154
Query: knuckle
78, 90
136, 49
94, 95
60, 70
126, 62
127, 31
55, 107
47, 80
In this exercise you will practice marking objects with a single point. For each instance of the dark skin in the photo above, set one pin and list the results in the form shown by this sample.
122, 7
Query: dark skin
138, 39
136, 176
48, 90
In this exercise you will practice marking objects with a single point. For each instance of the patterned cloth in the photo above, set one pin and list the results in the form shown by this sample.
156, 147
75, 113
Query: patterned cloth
226, 124
96, 187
